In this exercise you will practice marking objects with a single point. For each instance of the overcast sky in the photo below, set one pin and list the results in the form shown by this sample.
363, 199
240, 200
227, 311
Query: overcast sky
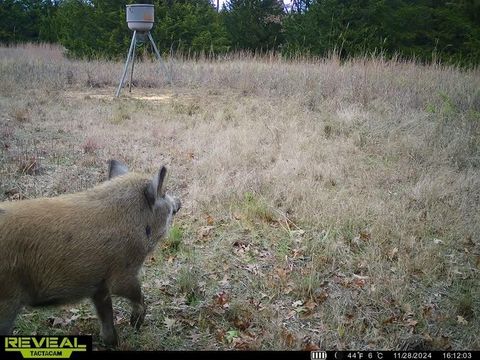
222, 1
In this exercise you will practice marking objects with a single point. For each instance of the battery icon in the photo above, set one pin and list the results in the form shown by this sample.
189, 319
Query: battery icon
318, 355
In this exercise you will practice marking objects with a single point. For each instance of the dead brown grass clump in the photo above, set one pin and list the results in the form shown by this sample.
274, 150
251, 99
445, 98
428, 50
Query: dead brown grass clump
90, 145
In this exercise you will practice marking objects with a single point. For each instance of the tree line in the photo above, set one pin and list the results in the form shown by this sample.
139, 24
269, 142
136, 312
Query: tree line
426, 30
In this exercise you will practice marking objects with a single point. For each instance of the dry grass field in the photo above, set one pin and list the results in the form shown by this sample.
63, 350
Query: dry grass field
326, 205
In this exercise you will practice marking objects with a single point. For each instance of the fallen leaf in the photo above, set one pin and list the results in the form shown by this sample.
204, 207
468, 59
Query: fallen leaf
221, 298
310, 305
282, 273
263, 295
195, 337
289, 338
390, 320
180, 300
364, 235
253, 268
161, 283
461, 320
257, 304
264, 254
224, 281
407, 308
58, 322
427, 337
311, 347
73, 318
411, 322
302, 310
297, 303
231, 334
427, 309
457, 272
210, 220
241, 247
240, 343
437, 241
14, 195
363, 264
392, 254
220, 335
119, 319
169, 323
444, 342
205, 231
298, 232
356, 240
298, 253
359, 282
189, 322
241, 323
291, 314
320, 296
349, 318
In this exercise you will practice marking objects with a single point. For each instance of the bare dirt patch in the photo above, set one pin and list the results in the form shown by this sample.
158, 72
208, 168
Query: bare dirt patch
108, 94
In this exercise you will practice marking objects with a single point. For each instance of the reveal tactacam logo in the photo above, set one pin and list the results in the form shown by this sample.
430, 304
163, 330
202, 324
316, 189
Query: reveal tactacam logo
51, 347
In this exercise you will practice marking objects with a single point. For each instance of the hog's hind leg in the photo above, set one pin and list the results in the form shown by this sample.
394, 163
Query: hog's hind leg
103, 304
131, 289
9, 308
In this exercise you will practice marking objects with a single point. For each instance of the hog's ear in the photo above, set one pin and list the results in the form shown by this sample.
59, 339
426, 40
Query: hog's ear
161, 177
154, 189
116, 168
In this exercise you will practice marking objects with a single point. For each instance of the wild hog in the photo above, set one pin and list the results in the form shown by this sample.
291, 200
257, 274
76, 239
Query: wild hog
85, 245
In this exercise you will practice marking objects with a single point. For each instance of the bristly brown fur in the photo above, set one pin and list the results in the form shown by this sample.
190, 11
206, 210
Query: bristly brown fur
90, 244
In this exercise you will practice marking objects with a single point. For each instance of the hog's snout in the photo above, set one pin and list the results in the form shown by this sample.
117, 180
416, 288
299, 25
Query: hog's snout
177, 204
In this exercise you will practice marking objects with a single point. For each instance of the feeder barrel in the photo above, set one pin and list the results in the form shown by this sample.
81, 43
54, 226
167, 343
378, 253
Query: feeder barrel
140, 17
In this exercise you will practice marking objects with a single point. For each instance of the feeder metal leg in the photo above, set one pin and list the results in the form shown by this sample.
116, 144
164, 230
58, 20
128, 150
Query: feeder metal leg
154, 46
159, 57
117, 94
133, 64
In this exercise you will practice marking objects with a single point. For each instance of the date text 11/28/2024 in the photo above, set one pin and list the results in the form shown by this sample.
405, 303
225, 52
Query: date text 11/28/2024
393, 355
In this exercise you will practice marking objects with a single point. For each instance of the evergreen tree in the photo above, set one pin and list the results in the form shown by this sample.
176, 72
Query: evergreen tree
189, 26
254, 24
425, 30
98, 27
26, 20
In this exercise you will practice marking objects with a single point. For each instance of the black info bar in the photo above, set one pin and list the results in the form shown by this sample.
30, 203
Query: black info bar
301, 355
80, 347
392, 355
